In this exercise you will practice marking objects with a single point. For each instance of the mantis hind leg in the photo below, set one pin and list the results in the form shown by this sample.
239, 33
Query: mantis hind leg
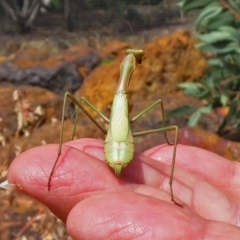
165, 129
159, 101
79, 104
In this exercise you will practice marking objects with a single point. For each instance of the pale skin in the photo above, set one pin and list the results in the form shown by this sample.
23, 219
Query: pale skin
97, 205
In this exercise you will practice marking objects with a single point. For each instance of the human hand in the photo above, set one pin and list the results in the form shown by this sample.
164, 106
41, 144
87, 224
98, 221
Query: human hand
95, 204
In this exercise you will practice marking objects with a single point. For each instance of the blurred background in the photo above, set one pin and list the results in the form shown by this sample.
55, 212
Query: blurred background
105, 17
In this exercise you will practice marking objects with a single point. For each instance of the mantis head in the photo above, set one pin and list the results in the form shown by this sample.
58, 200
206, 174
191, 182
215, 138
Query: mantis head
127, 67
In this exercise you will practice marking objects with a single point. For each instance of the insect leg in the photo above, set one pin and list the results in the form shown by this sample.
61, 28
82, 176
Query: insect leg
159, 101
164, 129
79, 104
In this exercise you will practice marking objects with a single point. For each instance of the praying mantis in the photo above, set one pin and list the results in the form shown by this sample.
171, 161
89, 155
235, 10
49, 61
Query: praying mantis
119, 142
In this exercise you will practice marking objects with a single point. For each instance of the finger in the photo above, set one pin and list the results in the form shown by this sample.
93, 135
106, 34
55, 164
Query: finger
76, 177
77, 174
207, 200
80, 175
130, 215
206, 165
218, 171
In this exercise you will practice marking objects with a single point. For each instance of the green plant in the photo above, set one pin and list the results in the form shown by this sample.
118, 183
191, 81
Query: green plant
218, 29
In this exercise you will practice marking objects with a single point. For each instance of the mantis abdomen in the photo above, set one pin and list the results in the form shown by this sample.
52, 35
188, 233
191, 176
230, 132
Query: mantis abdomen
118, 155
119, 143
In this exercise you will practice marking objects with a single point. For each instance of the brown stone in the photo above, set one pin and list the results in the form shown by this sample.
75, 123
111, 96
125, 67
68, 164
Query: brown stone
59, 72
167, 62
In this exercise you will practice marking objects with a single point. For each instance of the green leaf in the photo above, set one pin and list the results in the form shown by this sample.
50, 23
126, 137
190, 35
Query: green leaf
210, 81
183, 110
237, 120
222, 19
217, 36
210, 11
236, 59
215, 62
193, 120
231, 30
219, 29
203, 94
234, 5
224, 98
206, 109
232, 111
191, 85
233, 47
192, 89
193, 5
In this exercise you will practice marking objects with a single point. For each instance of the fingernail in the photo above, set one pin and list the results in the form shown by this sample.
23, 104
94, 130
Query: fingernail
8, 186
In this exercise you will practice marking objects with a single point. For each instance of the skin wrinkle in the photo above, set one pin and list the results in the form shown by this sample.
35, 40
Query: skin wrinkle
190, 166
203, 233
163, 169
235, 180
212, 234
120, 231
89, 149
128, 227
112, 220
157, 234
75, 178
235, 216
213, 193
31, 177
227, 181
155, 193
238, 222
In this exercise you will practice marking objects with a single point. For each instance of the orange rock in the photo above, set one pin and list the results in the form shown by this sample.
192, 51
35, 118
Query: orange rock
167, 62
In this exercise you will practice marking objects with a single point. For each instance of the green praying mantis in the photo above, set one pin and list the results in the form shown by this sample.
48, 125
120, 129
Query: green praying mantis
119, 142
